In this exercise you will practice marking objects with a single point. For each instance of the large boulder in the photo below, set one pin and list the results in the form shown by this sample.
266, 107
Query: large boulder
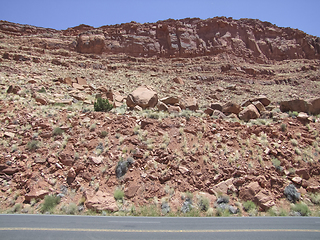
314, 106
143, 96
250, 112
170, 100
297, 105
291, 193
263, 99
253, 192
189, 103
231, 107
101, 201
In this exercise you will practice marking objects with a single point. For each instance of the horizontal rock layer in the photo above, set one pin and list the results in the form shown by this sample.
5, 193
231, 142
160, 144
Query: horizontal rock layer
247, 38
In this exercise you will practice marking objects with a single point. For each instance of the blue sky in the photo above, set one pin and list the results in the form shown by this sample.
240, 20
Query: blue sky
61, 14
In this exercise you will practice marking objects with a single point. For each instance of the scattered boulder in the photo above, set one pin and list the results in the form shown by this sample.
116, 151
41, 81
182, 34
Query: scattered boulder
122, 167
81, 81
253, 192
297, 105
291, 193
35, 194
250, 112
223, 187
14, 89
170, 100
77, 86
303, 172
314, 106
303, 117
216, 106
209, 111
131, 190
189, 103
259, 106
263, 99
264, 199
41, 100
231, 107
162, 106
144, 97
101, 201
178, 80
174, 109
218, 114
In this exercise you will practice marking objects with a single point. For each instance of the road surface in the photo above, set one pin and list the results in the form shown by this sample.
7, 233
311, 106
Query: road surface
34, 227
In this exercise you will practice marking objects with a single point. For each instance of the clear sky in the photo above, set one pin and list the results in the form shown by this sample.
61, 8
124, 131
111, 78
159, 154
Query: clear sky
62, 14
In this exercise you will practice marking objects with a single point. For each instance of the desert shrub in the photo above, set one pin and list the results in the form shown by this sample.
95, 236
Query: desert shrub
50, 202
57, 131
249, 205
118, 194
276, 163
293, 114
315, 198
222, 212
33, 145
102, 105
149, 211
294, 142
16, 208
92, 127
104, 133
71, 209
301, 208
283, 127
204, 204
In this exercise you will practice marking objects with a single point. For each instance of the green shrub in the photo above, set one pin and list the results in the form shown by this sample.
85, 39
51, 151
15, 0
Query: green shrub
50, 202
294, 142
72, 209
57, 131
104, 133
302, 209
118, 194
204, 204
33, 145
102, 105
249, 205
283, 127
150, 210
293, 114
315, 198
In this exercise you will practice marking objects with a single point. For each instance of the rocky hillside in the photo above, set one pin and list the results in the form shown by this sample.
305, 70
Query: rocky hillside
210, 117
246, 38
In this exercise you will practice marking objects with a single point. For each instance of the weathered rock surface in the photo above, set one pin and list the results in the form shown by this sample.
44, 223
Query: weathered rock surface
231, 107
144, 97
250, 112
248, 38
101, 201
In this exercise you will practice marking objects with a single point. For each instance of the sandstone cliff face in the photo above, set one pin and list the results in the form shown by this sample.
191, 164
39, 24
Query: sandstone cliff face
247, 38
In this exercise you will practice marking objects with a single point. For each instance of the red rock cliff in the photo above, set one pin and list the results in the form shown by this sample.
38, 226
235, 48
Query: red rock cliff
247, 38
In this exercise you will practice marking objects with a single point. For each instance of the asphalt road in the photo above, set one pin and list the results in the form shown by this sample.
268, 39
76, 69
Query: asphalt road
92, 227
